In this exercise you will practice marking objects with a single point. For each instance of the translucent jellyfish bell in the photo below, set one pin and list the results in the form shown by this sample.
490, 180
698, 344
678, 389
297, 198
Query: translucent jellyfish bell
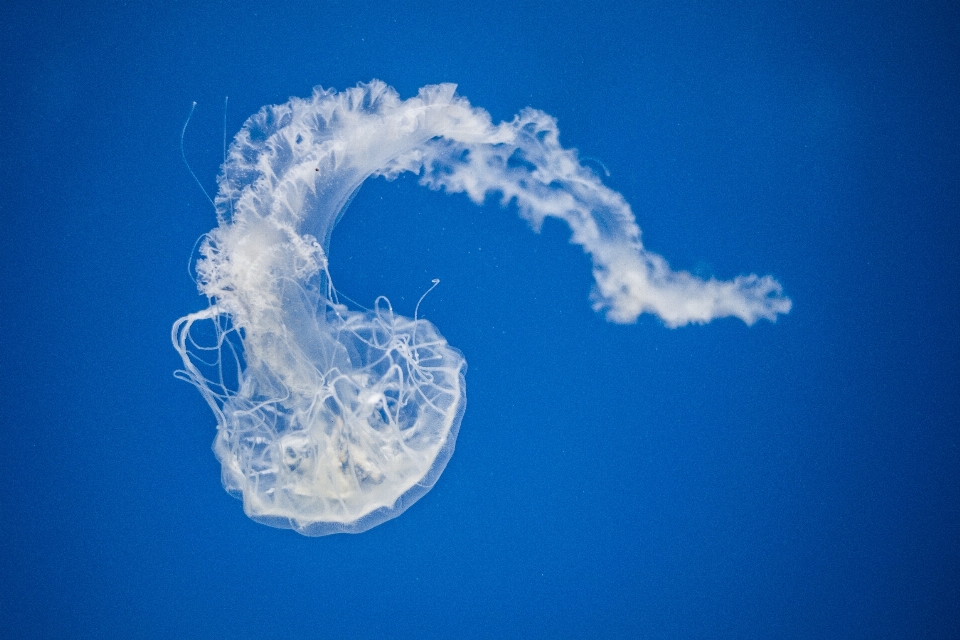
363, 440
334, 420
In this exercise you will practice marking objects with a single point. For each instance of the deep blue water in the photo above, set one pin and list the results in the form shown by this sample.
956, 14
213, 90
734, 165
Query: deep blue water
791, 480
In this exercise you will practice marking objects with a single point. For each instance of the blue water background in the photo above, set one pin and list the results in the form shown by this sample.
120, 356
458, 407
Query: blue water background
790, 480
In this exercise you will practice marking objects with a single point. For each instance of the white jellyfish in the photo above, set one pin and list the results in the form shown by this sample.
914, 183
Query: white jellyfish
331, 419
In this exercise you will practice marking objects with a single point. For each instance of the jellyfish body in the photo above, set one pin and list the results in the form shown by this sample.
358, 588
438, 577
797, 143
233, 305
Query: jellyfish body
335, 420
342, 436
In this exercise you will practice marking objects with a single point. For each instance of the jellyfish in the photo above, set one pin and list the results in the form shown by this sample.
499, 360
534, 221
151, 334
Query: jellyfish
332, 419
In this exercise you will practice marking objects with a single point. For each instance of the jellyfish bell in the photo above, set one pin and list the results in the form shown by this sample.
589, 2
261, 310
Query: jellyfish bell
331, 419
337, 440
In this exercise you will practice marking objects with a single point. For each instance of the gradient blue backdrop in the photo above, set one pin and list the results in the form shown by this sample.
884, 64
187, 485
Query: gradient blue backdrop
790, 480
